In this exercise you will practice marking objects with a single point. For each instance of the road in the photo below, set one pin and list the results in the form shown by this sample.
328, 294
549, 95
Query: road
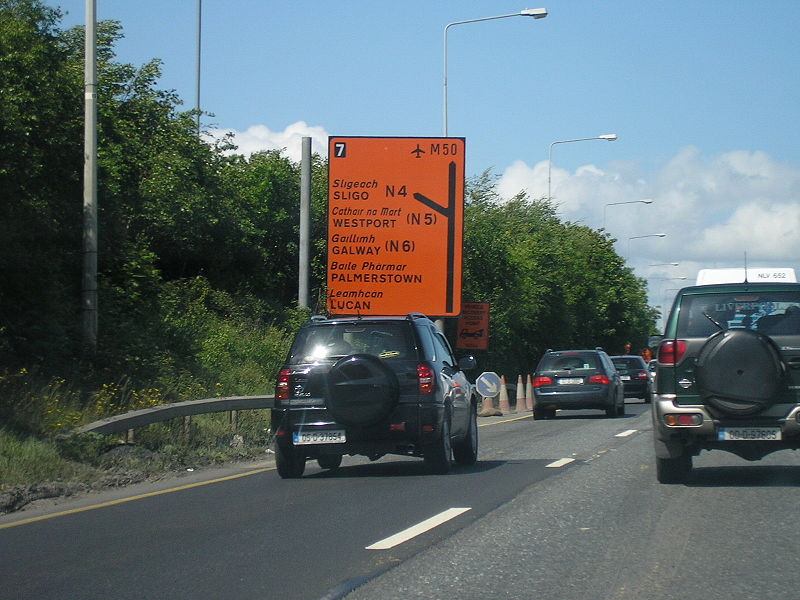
564, 508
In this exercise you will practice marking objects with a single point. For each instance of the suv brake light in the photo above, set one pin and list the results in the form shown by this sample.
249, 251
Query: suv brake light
425, 379
282, 388
540, 381
670, 352
600, 379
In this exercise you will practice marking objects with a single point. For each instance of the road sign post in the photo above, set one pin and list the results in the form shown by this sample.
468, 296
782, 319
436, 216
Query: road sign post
395, 225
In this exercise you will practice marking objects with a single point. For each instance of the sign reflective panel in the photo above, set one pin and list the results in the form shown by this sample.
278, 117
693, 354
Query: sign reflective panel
395, 225
473, 326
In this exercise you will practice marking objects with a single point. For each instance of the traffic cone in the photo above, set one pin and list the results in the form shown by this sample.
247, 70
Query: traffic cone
505, 407
529, 394
520, 407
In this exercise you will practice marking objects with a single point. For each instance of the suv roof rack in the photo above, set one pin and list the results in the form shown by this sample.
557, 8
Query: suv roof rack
415, 315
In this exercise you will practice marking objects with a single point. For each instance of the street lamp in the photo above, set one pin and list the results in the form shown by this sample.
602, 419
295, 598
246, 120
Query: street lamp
664, 265
645, 201
638, 237
536, 13
610, 137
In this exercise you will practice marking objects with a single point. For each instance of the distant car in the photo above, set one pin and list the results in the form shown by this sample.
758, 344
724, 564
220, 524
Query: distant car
651, 367
635, 376
577, 380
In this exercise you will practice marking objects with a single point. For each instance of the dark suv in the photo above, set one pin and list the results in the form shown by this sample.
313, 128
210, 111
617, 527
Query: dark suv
577, 380
728, 374
635, 374
373, 386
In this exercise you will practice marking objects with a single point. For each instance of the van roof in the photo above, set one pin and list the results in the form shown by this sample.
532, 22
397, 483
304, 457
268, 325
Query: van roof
753, 275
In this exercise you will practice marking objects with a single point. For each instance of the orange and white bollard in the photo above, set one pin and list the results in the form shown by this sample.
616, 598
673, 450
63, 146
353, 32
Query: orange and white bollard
505, 406
520, 395
529, 394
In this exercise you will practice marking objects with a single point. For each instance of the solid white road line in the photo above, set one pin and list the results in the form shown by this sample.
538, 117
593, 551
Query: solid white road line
626, 433
415, 530
559, 463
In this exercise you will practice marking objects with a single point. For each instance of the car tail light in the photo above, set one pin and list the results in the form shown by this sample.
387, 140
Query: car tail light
282, 387
691, 419
540, 381
642, 375
599, 379
425, 379
670, 352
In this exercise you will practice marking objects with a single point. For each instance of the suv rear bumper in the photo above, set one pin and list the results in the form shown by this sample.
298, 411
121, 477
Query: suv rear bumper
405, 431
672, 441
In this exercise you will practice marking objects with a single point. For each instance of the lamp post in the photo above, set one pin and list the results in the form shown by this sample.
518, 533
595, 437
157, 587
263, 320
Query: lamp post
536, 13
664, 265
638, 237
610, 137
645, 201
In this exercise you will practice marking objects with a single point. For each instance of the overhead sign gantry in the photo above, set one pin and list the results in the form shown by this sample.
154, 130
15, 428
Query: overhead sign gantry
395, 225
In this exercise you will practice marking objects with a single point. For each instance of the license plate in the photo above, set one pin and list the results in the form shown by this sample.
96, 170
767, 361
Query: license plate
753, 434
625, 377
319, 437
570, 381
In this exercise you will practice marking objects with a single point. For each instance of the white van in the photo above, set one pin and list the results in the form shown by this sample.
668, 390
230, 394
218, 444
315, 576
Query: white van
754, 275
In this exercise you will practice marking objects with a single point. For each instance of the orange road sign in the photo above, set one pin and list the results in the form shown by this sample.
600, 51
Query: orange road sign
473, 326
395, 225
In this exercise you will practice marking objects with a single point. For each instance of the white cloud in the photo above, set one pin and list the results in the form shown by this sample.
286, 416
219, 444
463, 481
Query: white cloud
714, 210
260, 137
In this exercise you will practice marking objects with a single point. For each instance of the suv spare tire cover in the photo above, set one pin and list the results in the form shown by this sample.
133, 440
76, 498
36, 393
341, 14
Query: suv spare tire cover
361, 390
739, 371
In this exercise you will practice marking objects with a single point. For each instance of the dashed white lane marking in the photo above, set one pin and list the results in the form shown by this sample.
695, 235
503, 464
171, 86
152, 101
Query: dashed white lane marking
559, 463
626, 433
419, 528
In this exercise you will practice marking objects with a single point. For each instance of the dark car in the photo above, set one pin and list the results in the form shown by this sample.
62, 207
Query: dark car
373, 386
635, 374
577, 380
728, 375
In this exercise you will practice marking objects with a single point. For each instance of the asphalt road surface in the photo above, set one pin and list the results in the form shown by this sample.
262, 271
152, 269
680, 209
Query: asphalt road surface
564, 508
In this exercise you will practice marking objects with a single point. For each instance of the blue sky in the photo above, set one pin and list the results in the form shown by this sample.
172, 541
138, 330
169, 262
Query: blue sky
702, 94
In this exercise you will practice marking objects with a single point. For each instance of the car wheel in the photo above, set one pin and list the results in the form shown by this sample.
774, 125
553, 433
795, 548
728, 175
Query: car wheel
673, 470
648, 398
437, 455
362, 390
466, 451
289, 461
621, 409
540, 414
739, 371
330, 461
612, 411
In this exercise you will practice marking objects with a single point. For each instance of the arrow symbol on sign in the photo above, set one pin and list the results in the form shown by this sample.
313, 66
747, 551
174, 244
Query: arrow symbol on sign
490, 385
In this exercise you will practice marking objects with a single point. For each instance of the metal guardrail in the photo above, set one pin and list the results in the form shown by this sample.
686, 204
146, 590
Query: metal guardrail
165, 412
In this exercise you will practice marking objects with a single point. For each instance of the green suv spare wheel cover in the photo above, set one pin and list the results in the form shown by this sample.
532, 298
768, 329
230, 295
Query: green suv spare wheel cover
362, 390
739, 371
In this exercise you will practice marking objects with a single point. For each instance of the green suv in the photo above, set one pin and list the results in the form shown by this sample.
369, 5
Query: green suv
728, 374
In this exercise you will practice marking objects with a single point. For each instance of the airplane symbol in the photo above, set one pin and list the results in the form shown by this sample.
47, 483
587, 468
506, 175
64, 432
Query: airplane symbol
418, 151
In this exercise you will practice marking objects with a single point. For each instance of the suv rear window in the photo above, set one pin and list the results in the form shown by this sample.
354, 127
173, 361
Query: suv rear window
574, 362
771, 313
326, 341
